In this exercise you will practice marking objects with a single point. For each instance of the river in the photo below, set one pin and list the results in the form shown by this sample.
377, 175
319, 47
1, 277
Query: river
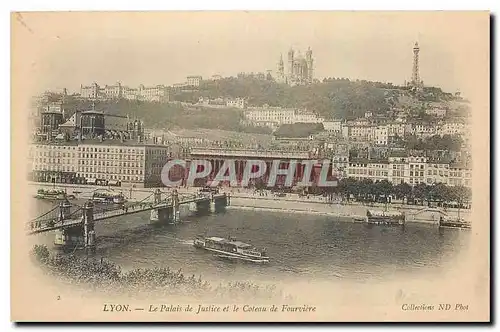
302, 247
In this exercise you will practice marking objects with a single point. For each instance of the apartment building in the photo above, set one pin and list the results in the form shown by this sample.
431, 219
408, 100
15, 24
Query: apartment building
334, 126
157, 93
275, 116
439, 112
398, 169
194, 80
396, 129
453, 128
437, 172
460, 174
95, 162
368, 169
421, 130
268, 114
417, 168
412, 170
358, 132
381, 135
53, 162
236, 103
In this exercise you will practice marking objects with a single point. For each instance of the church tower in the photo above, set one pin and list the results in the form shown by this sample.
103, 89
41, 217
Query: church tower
281, 70
310, 65
291, 63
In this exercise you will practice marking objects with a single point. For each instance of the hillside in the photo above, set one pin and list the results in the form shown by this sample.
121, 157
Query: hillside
171, 115
338, 98
331, 98
298, 130
335, 98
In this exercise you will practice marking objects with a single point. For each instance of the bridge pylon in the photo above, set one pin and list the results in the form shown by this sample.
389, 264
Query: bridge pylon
157, 196
175, 206
64, 210
89, 236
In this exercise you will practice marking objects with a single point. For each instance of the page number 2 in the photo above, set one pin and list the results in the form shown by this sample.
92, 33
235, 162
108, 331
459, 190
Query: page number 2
58, 297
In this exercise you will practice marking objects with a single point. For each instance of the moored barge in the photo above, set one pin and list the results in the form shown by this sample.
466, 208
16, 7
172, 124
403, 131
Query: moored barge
376, 217
454, 223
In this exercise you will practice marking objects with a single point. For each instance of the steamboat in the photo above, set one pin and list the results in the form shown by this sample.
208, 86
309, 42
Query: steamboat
231, 249
53, 195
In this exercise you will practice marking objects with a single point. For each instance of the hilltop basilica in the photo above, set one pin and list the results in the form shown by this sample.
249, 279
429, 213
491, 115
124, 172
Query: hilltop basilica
299, 71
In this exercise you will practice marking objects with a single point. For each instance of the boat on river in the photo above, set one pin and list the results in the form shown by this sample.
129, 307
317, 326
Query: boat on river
53, 195
392, 218
454, 223
108, 198
231, 249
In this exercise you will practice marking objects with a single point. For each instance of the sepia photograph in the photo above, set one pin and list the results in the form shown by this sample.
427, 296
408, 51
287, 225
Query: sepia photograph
250, 166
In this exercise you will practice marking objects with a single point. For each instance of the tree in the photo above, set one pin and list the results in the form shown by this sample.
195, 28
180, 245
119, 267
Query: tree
439, 192
365, 188
420, 192
348, 187
383, 188
402, 191
462, 195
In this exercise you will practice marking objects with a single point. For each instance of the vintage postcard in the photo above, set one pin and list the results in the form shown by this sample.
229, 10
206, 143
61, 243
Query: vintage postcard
250, 166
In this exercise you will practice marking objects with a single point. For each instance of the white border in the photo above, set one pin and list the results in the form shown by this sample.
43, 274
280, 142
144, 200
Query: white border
46, 5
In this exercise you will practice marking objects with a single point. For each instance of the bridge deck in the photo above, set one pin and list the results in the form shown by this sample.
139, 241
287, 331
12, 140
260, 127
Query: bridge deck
54, 224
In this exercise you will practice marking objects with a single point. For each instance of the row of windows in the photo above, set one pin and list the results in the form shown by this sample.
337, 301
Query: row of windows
113, 150
435, 172
459, 174
368, 172
52, 161
55, 168
370, 165
54, 147
398, 173
113, 177
110, 170
40, 150
108, 163
417, 173
53, 154
438, 165
119, 156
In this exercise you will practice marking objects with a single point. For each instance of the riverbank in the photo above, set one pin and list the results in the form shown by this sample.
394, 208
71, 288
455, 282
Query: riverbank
248, 200
110, 278
413, 214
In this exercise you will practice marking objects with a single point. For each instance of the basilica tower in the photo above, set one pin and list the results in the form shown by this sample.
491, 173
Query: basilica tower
281, 70
310, 65
291, 63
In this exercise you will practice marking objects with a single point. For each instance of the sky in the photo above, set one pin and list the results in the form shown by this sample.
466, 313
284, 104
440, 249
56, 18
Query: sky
63, 50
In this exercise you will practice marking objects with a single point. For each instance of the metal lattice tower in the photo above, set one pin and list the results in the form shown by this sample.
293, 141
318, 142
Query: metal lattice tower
415, 78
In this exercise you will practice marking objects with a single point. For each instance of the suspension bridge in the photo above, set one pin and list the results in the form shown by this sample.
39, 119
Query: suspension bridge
71, 220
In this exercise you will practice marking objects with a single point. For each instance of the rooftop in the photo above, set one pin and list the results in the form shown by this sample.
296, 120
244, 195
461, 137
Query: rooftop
98, 142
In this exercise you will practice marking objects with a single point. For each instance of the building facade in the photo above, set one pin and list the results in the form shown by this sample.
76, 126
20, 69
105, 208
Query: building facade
194, 80
158, 93
236, 103
275, 116
102, 163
